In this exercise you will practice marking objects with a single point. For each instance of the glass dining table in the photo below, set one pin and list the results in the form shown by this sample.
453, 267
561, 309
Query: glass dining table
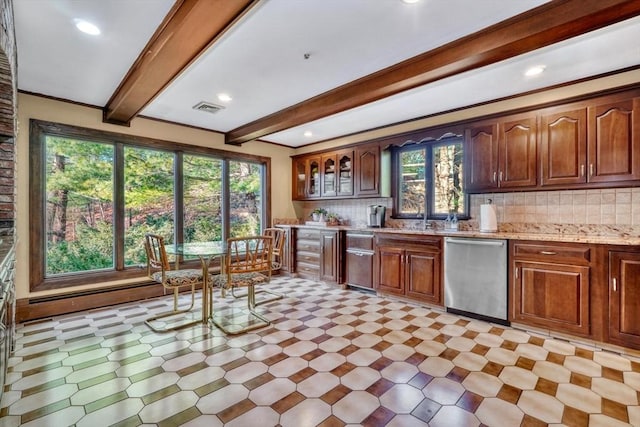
206, 251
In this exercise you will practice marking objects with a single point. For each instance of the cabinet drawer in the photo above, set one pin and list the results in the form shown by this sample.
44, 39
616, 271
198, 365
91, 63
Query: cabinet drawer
362, 241
553, 253
308, 246
308, 257
308, 268
308, 234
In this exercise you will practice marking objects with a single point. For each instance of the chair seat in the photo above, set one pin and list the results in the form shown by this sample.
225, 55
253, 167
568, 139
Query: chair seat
179, 277
240, 279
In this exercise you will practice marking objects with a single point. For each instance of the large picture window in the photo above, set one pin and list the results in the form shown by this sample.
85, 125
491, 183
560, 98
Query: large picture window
428, 178
94, 195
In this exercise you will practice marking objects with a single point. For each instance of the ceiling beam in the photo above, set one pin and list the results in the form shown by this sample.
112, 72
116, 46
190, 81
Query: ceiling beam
547, 24
188, 30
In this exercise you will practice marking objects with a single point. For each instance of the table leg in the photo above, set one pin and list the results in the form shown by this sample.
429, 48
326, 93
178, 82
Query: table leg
205, 289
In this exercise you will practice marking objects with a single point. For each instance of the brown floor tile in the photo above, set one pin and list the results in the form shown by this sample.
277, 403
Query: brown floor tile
492, 368
288, 342
335, 394
191, 369
381, 363
469, 401
383, 331
615, 410
420, 380
312, 354
234, 411
379, 417
536, 341
462, 322
509, 345
343, 369
328, 326
572, 417
332, 421
287, 402
584, 353
433, 315
470, 334
635, 366
509, 393
274, 359
426, 410
525, 363
235, 363
547, 387
416, 359
480, 349
496, 331
302, 375
412, 342
380, 387
348, 350
612, 374
356, 323
457, 374
580, 380
556, 358
529, 421
258, 381
211, 387
321, 338
449, 354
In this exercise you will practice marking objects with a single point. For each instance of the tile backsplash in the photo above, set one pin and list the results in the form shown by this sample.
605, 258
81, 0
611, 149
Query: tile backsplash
575, 209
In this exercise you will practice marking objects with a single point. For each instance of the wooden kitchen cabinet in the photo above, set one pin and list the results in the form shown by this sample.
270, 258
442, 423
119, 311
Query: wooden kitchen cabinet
624, 297
550, 286
502, 154
359, 257
409, 266
346, 173
318, 254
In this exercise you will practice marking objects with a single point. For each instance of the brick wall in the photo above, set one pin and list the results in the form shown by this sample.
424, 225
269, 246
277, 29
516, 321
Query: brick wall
8, 126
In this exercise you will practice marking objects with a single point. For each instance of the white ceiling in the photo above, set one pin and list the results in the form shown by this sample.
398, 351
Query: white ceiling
261, 63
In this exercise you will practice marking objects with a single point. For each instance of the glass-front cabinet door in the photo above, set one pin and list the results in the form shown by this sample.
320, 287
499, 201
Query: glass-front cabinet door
300, 181
313, 179
345, 177
329, 176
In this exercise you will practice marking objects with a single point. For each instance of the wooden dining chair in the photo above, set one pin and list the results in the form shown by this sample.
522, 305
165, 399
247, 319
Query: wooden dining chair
159, 270
278, 246
247, 264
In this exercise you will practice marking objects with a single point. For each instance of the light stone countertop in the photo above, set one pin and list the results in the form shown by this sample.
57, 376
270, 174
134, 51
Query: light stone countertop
623, 239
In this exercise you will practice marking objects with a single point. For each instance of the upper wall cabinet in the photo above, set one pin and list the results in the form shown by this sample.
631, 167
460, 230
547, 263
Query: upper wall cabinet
597, 143
344, 173
501, 154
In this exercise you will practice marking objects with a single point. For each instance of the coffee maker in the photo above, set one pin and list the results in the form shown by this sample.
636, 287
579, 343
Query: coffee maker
375, 216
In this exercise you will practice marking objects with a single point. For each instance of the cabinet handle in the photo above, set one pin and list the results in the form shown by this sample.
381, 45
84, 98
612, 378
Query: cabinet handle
548, 253
615, 285
517, 272
494, 177
500, 179
591, 169
581, 170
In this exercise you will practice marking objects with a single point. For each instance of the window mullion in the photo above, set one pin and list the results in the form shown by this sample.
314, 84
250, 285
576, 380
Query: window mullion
119, 208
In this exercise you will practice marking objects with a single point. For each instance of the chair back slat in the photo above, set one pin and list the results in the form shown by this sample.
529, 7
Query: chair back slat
156, 253
248, 254
278, 239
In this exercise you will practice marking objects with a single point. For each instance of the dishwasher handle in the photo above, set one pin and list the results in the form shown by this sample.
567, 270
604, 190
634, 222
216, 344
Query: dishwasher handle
475, 242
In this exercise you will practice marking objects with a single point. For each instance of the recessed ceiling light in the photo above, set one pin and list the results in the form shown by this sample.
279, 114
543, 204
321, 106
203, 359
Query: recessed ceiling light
87, 27
224, 97
308, 134
534, 71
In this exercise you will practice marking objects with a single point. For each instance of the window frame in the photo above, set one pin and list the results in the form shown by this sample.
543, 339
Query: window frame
429, 147
39, 130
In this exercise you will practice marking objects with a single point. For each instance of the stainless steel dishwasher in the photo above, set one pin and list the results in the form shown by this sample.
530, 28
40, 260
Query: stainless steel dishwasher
475, 278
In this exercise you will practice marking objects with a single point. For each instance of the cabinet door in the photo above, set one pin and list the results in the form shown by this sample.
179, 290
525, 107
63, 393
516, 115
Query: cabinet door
563, 147
367, 171
299, 179
344, 178
313, 178
555, 296
624, 295
481, 148
517, 153
390, 270
614, 141
329, 262
422, 276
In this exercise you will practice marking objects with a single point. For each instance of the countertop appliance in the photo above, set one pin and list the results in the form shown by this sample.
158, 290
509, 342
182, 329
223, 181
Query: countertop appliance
475, 278
488, 221
375, 216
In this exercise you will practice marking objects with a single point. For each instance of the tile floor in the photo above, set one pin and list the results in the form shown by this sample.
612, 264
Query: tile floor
332, 357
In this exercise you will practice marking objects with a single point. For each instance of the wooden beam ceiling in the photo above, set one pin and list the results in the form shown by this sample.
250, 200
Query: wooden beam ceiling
190, 28
550, 23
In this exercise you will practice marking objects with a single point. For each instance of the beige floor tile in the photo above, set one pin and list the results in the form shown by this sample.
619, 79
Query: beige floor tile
320, 383
436, 366
449, 416
496, 412
443, 391
355, 407
582, 366
518, 377
310, 412
360, 378
542, 406
269, 393
579, 398
615, 391
170, 405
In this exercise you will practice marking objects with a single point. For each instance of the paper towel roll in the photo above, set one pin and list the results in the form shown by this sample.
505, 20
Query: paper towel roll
488, 221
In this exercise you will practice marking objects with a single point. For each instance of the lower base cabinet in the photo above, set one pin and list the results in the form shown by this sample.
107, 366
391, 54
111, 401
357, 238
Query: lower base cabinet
317, 254
359, 259
551, 286
624, 298
409, 266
